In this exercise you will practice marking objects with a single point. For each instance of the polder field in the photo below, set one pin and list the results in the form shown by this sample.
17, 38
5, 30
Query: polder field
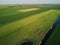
28, 25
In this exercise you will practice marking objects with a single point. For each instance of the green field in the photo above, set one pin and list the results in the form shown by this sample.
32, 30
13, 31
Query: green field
17, 27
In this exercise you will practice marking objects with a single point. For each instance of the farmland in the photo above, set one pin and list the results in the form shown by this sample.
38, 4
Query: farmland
21, 24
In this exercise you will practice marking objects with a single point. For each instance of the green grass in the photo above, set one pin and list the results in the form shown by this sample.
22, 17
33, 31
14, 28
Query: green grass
33, 26
55, 37
15, 15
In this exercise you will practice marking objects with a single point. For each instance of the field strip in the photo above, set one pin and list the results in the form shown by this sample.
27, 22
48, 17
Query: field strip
27, 10
10, 14
23, 22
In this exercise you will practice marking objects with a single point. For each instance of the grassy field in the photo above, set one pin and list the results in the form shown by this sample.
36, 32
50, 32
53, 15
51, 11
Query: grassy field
8, 15
17, 27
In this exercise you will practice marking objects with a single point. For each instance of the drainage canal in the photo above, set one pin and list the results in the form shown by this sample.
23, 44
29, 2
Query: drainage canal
50, 32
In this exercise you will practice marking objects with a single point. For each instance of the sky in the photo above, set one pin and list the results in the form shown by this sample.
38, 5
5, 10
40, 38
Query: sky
29, 1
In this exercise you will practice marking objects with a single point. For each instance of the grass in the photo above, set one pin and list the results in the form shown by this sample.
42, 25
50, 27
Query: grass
6, 18
19, 27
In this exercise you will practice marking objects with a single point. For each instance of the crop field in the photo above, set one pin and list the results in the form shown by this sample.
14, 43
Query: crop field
26, 25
